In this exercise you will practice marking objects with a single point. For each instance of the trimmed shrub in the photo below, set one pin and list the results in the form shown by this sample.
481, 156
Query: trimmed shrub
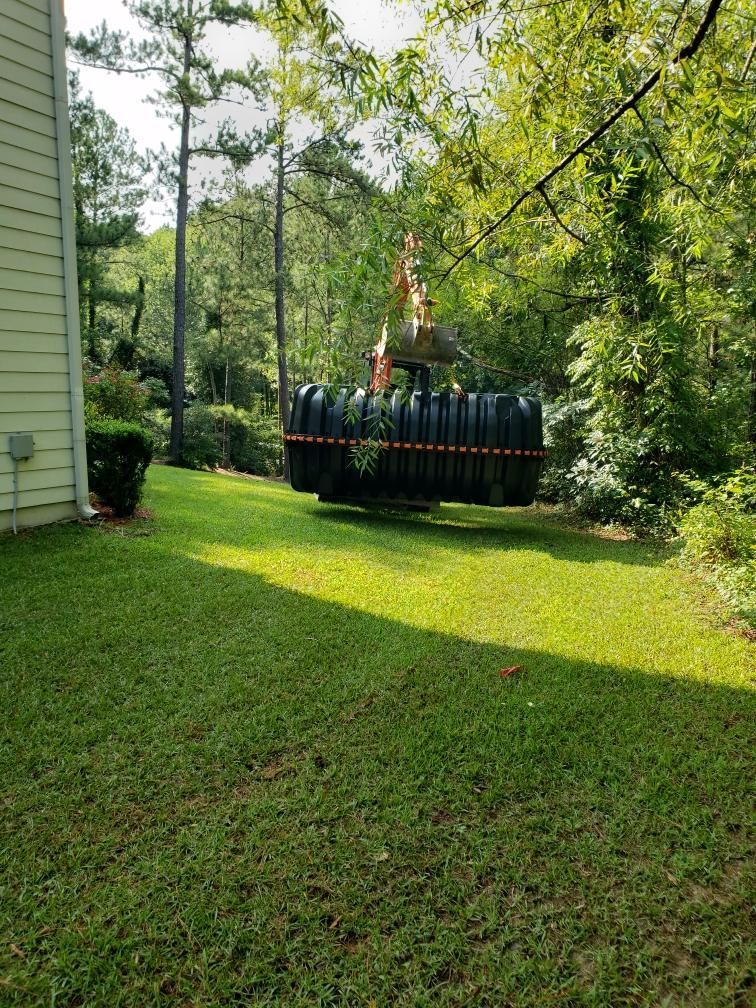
118, 454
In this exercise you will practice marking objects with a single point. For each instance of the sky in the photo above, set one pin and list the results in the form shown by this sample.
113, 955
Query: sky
125, 97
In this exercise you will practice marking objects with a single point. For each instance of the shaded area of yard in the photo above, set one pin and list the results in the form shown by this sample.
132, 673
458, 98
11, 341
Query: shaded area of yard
258, 753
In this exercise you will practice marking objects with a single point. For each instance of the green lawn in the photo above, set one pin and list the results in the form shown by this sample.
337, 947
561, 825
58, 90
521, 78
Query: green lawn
258, 752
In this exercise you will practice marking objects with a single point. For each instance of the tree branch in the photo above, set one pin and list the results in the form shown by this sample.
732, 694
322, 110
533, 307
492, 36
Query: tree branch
129, 70
557, 218
320, 211
648, 84
587, 298
663, 162
237, 217
749, 60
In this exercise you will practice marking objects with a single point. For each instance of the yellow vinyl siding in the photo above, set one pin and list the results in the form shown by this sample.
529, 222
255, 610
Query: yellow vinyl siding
37, 330
31, 479
16, 241
11, 49
18, 219
26, 362
46, 460
33, 422
38, 5
45, 441
32, 101
16, 29
32, 80
13, 402
32, 14
36, 283
28, 161
17, 115
35, 380
48, 304
29, 202
36, 143
29, 181
32, 498
41, 514
30, 261
30, 347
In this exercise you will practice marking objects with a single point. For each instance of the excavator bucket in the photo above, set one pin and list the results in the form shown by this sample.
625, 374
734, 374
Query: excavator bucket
479, 449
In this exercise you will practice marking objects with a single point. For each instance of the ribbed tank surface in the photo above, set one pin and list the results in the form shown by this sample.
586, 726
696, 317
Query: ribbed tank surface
482, 449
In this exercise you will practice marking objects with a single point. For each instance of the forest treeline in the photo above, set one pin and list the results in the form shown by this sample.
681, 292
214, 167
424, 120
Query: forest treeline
581, 175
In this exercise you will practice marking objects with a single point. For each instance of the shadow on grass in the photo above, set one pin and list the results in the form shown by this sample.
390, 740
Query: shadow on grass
223, 792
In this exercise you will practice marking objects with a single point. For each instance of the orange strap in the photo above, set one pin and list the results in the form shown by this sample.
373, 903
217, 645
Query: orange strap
454, 449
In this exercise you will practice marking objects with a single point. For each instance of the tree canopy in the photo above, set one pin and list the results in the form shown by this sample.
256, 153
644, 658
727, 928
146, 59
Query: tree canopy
581, 176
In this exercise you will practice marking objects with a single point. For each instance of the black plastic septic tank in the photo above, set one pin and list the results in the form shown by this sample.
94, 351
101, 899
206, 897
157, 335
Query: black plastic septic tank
485, 449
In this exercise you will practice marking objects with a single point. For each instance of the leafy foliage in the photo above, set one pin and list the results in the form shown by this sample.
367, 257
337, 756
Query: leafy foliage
118, 454
255, 443
113, 394
109, 185
719, 540
580, 196
202, 448
173, 48
578, 173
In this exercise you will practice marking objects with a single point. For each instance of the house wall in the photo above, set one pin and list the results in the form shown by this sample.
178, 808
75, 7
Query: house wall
40, 373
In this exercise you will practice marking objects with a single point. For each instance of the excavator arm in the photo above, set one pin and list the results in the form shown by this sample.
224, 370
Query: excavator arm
416, 345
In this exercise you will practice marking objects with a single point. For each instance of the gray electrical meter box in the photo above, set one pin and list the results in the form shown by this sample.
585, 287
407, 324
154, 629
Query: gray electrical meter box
21, 446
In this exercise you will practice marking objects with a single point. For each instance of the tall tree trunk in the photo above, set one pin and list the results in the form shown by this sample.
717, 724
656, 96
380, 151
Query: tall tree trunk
713, 357
226, 444
752, 404
179, 295
92, 306
136, 320
328, 309
278, 245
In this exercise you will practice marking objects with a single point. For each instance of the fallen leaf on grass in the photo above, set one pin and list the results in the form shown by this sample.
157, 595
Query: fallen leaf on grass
508, 671
17, 951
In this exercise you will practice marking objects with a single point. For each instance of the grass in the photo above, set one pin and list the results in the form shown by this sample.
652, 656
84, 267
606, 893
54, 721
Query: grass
258, 753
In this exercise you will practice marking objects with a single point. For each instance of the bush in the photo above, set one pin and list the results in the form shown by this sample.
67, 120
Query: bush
202, 445
158, 423
254, 441
563, 434
719, 540
157, 392
115, 394
256, 446
118, 454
